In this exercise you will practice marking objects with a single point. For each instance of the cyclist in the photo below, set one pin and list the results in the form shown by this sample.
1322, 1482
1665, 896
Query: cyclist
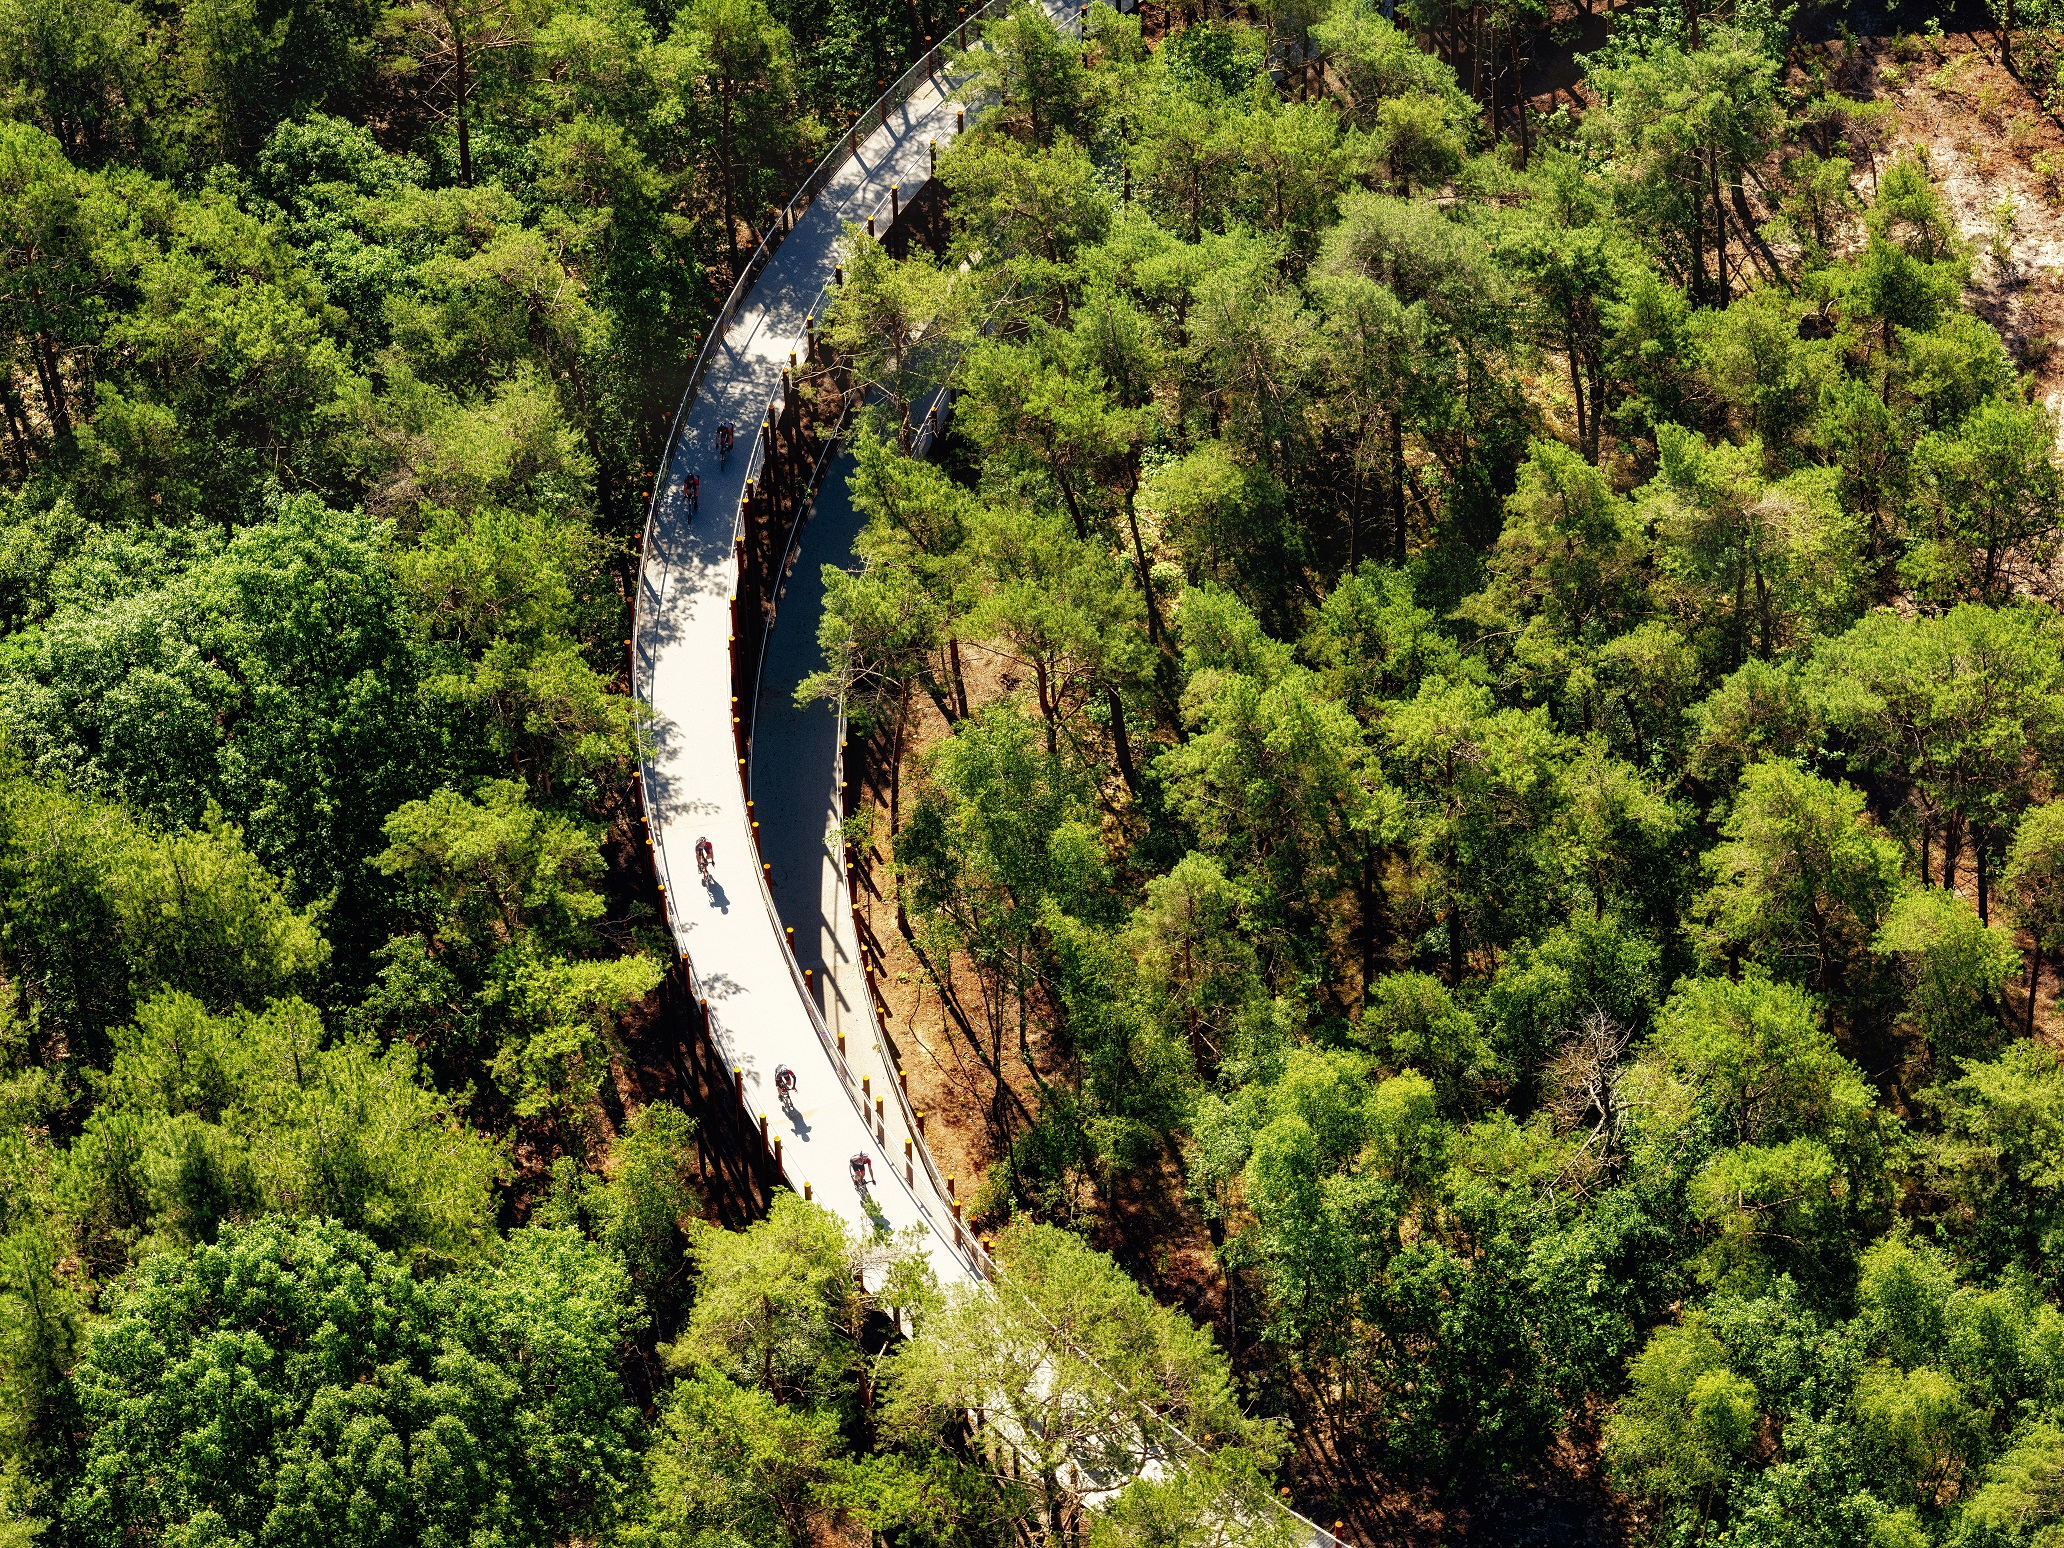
784, 1081
694, 494
863, 1170
724, 437
705, 856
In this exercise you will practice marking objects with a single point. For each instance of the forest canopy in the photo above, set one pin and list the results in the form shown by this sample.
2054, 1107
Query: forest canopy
1468, 728
1524, 755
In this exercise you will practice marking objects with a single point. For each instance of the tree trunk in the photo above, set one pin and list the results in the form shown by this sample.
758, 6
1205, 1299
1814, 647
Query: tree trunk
1046, 706
51, 375
1698, 246
1753, 237
1139, 556
896, 760
960, 697
1741, 621
724, 179
1357, 498
903, 715
17, 422
1723, 292
1595, 368
2034, 983
1121, 745
1397, 486
461, 86
1762, 610
767, 1346
1060, 478
1519, 95
1576, 381
1493, 75
1368, 901
1454, 904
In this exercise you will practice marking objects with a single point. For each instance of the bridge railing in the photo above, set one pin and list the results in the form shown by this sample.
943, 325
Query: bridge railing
932, 68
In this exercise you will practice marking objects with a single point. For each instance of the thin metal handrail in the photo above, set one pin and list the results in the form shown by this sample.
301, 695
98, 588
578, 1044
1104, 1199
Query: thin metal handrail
934, 420
847, 146
969, 1243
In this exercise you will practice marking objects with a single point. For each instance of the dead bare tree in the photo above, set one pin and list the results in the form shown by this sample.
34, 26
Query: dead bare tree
1581, 1087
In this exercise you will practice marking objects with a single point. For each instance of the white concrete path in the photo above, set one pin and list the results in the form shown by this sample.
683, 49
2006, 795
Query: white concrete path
729, 931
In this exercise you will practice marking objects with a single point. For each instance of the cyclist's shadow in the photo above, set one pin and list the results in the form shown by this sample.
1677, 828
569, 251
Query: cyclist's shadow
719, 900
796, 1120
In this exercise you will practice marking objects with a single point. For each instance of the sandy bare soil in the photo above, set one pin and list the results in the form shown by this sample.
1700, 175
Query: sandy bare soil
1999, 160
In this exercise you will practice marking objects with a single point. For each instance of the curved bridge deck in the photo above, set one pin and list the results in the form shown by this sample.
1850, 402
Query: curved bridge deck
728, 931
